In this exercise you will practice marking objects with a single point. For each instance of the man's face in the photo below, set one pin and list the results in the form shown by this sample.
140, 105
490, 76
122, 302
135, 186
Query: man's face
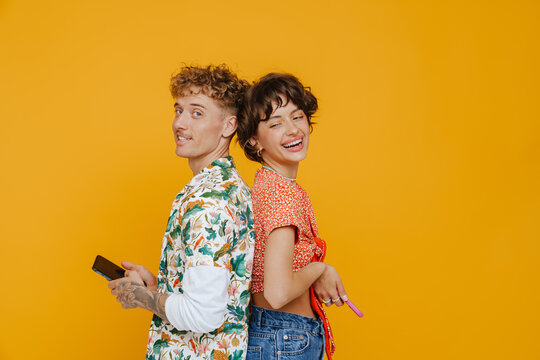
199, 125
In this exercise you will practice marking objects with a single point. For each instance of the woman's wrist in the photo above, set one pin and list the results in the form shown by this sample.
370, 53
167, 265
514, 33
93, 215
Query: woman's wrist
319, 268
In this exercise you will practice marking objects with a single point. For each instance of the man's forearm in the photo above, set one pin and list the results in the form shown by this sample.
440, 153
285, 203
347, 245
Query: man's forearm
133, 294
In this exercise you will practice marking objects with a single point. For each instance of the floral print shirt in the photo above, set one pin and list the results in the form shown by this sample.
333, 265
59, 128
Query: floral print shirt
211, 223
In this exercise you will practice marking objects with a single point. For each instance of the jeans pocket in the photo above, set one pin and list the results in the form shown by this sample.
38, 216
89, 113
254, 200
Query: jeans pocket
260, 345
293, 341
254, 353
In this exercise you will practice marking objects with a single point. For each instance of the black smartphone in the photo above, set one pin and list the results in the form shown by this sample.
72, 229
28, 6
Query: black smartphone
107, 269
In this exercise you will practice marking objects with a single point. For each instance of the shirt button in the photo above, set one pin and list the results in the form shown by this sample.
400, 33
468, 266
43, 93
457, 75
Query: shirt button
285, 337
279, 352
301, 337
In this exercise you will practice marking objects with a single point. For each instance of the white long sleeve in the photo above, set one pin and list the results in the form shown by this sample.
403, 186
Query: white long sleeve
202, 306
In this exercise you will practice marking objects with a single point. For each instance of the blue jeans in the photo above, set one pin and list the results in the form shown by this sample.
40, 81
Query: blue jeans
276, 335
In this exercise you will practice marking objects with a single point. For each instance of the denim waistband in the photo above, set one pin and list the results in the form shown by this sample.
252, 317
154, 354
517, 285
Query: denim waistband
266, 317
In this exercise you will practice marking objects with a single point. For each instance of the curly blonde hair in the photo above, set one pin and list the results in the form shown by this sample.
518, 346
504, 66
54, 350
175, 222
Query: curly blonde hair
217, 82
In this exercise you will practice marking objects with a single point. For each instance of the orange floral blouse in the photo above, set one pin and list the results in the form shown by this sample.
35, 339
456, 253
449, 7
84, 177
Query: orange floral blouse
278, 202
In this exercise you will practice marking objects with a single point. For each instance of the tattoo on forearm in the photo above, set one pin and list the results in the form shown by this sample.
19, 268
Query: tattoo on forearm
132, 295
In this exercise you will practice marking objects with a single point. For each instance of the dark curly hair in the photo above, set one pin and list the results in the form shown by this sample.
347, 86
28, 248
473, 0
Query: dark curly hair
259, 99
217, 82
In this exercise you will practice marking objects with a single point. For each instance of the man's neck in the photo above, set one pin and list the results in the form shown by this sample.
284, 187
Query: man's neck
197, 164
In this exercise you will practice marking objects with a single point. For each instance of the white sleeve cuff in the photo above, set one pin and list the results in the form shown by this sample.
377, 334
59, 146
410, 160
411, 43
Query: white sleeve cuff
203, 305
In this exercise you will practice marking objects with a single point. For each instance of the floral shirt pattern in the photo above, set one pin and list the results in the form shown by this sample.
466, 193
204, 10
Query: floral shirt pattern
211, 223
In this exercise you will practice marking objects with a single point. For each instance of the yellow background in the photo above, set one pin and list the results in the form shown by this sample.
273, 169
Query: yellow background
423, 168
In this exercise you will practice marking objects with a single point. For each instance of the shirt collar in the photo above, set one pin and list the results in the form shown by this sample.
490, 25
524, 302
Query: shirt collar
224, 162
216, 165
277, 178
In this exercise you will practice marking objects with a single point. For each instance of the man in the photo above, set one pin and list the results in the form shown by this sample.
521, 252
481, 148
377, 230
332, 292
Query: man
200, 296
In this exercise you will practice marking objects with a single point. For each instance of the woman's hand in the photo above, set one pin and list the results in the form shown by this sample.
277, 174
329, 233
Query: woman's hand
144, 273
329, 287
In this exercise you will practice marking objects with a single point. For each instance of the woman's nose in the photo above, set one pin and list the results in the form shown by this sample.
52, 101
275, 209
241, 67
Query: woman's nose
292, 128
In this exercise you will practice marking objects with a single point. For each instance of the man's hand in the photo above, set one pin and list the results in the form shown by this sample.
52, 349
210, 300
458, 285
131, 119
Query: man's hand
144, 273
124, 289
131, 293
330, 287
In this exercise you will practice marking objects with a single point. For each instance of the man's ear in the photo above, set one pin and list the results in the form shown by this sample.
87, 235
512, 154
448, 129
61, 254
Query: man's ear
253, 141
231, 124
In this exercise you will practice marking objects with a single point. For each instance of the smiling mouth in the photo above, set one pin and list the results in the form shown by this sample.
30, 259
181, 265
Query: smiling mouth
182, 138
293, 144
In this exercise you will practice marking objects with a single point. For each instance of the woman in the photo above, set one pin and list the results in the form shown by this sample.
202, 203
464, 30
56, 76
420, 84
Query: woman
290, 282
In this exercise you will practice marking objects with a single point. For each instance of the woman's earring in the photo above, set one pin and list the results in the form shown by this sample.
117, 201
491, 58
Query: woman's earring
259, 153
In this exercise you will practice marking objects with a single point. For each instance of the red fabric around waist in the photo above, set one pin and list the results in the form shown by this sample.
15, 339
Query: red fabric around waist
318, 307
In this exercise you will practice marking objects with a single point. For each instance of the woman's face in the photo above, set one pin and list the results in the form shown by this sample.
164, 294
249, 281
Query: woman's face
283, 138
